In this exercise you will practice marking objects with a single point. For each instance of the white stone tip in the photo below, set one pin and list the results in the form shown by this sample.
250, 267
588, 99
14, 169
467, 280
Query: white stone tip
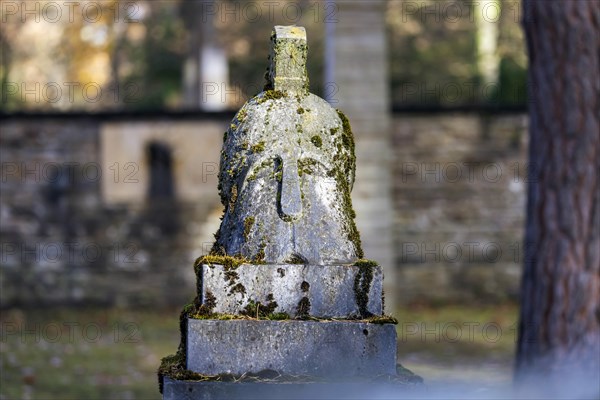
290, 32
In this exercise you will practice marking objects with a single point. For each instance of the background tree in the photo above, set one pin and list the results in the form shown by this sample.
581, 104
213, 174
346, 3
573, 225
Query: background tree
560, 299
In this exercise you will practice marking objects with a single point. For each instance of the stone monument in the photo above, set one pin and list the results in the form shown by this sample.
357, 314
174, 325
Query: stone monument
285, 297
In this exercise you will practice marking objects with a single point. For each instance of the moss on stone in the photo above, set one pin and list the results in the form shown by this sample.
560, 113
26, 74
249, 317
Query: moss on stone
300, 110
258, 147
362, 285
364, 263
348, 142
210, 302
346, 203
256, 309
260, 255
275, 316
233, 198
237, 288
278, 316
306, 166
231, 276
277, 171
295, 259
229, 262
248, 223
257, 169
382, 320
242, 114
304, 286
173, 367
270, 95
303, 308
317, 141
250, 315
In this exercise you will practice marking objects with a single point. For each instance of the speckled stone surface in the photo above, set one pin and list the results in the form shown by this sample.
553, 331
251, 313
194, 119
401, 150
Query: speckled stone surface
331, 290
287, 169
325, 349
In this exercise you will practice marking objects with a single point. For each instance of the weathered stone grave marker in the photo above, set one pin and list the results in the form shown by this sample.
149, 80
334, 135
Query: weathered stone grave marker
285, 295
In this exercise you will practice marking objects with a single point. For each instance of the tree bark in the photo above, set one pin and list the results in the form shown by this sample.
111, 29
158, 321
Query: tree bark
559, 329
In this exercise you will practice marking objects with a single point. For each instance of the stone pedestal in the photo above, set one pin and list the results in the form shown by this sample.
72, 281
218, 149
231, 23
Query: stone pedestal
332, 291
326, 349
309, 307
328, 333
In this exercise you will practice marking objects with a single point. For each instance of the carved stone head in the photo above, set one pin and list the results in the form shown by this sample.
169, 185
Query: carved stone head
287, 169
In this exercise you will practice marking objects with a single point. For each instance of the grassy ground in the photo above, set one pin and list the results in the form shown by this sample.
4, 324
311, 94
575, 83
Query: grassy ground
113, 354
84, 354
458, 344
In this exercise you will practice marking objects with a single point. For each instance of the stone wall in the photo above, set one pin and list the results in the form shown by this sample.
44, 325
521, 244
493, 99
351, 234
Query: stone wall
458, 199
65, 240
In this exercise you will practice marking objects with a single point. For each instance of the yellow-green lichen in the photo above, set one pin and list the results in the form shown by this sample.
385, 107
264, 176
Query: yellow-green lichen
306, 166
256, 170
277, 173
248, 223
242, 114
230, 265
258, 147
233, 198
259, 258
382, 320
228, 262
271, 95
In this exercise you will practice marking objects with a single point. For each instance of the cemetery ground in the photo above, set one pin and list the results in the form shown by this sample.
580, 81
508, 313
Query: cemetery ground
114, 354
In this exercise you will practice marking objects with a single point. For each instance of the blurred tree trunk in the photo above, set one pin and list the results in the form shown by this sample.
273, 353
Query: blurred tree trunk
559, 330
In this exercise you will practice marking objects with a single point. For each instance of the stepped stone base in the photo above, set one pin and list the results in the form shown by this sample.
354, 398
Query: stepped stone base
189, 390
332, 290
323, 349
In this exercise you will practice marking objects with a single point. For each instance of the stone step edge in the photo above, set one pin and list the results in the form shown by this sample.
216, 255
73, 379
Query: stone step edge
373, 319
173, 389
